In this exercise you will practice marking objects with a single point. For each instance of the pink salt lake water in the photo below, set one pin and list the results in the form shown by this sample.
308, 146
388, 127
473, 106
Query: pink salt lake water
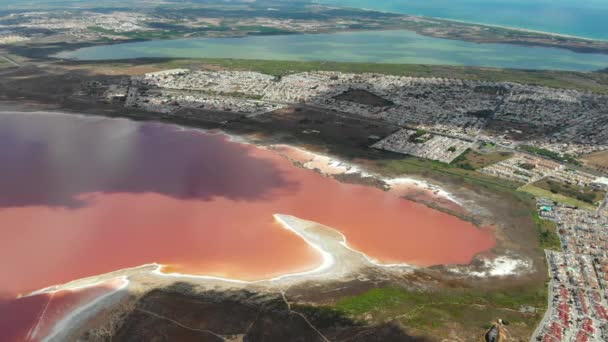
81, 196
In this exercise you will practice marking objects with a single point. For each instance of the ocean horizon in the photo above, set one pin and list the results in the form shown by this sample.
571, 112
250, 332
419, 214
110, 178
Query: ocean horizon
567, 17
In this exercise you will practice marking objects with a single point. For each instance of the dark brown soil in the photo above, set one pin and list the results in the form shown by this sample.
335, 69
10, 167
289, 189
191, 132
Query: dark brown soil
363, 97
178, 313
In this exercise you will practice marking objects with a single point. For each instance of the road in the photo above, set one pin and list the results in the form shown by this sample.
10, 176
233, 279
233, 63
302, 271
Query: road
547, 316
10, 60
603, 206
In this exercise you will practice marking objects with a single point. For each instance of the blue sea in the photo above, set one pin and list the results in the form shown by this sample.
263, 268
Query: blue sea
584, 18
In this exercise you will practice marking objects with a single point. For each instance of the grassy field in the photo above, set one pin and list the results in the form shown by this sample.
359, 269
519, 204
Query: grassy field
598, 161
547, 231
597, 82
263, 30
182, 32
424, 167
538, 192
467, 310
143, 35
584, 194
464, 166
549, 154
473, 160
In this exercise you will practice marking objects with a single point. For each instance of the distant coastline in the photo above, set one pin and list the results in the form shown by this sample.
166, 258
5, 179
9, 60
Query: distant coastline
521, 29
541, 17
477, 23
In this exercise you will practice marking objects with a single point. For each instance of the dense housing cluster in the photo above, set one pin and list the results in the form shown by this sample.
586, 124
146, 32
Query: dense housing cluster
581, 231
523, 168
578, 308
578, 290
10, 37
83, 25
561, 121
424, 145
171, 90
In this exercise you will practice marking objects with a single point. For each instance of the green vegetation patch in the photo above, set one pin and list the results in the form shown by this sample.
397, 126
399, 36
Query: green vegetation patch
527, 166
565, 158
473, 160
161, 34
176, 31
264, 30
538, 192
432, 310
425, 167
417, 137
547, 234
584, 194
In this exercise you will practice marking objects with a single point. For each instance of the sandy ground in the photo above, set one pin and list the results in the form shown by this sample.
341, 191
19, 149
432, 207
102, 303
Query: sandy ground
597, 160
121, 70
332, 166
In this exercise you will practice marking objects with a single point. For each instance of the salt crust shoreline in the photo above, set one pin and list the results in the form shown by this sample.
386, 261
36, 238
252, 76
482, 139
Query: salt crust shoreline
287, 222
327, 243
84, 312
349, 168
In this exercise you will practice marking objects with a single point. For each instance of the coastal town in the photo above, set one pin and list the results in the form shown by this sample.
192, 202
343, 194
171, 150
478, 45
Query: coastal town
10, 37
124, 23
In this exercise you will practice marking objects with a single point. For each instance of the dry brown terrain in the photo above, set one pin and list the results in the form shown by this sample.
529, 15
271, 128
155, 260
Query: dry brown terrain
597, 160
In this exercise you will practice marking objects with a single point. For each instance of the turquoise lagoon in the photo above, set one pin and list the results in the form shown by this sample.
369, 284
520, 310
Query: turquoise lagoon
376, 46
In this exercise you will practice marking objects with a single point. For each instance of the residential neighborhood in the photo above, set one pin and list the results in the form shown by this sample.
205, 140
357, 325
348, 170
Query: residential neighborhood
578, 287
508, 114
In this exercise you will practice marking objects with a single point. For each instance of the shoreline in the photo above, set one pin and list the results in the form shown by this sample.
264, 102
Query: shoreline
514, 28
525, 30
349, 168
82, 313
298, 226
